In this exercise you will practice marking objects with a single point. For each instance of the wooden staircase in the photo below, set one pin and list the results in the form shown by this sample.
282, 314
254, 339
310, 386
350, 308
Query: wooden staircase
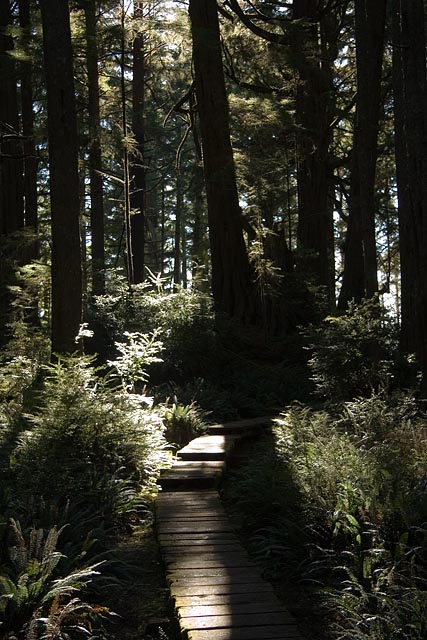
218, 592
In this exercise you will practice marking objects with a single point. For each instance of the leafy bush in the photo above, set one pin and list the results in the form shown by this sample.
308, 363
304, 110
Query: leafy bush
353, 354
87, 440
183, 319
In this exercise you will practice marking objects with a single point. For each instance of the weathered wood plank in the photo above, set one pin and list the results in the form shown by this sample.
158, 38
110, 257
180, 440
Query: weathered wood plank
251, 599
178, 590
203, 526
188, 514
208, 560
215, 580
187, 496
278, 632
188, 551
209, 447
241, 574
232, 609
237, 620
207, 538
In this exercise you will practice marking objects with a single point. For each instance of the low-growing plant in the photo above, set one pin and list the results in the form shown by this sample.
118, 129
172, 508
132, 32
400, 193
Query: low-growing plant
37, 599
183, 423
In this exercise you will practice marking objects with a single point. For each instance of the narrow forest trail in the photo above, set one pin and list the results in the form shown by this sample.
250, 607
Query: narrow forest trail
218, 592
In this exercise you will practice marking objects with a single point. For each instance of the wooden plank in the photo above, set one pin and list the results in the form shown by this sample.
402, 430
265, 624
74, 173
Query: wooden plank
241, 573
207, 538
187, 496
178, 590
251, 599
277, 632
232, 609
215, 580
201, 551
204, 526
209, 447
188, 514
237, 620
229, 560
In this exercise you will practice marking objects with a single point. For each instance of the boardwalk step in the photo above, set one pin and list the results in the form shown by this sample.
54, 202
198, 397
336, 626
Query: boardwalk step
192, 474
209, 447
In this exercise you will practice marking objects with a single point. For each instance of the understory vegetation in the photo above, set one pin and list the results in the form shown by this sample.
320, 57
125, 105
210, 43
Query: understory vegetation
335, 498
83, 438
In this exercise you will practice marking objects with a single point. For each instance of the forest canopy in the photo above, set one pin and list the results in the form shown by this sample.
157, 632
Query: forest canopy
271, 153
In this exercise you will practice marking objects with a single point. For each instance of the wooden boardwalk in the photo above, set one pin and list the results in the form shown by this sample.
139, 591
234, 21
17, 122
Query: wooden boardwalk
219, 594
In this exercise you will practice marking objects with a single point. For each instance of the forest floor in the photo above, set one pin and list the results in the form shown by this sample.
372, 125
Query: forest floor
143, 602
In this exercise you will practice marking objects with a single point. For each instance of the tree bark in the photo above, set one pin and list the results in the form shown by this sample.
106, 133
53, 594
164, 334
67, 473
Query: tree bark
360, 266
11, 167
313, 115
410, 105
232, 286
95, 158
64, 178
178, 234
138, 186
30, 156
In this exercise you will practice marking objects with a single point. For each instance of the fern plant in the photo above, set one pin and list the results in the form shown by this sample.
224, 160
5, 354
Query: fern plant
183, 423
88, 440
33, 594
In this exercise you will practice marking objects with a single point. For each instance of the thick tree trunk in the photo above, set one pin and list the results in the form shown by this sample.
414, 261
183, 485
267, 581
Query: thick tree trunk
410, 103
199, 243
64, 178
360, 267
11, 172
11, 166
95, 159
313, 115
138, 187
30, 157
231, 275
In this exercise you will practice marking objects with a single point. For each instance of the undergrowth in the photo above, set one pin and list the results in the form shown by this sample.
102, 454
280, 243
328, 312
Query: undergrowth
337, 502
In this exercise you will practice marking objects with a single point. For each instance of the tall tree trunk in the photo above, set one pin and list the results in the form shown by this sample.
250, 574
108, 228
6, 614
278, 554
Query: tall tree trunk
410, 104
11, 169
231, 274
198, 249
138, 186
313, 115
95, 159
360, 267
64, 177
177, 235
30, 157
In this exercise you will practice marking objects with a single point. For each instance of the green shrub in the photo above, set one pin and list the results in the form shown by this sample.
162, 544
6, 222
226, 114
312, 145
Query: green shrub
353, 354
184, 321
87, 441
